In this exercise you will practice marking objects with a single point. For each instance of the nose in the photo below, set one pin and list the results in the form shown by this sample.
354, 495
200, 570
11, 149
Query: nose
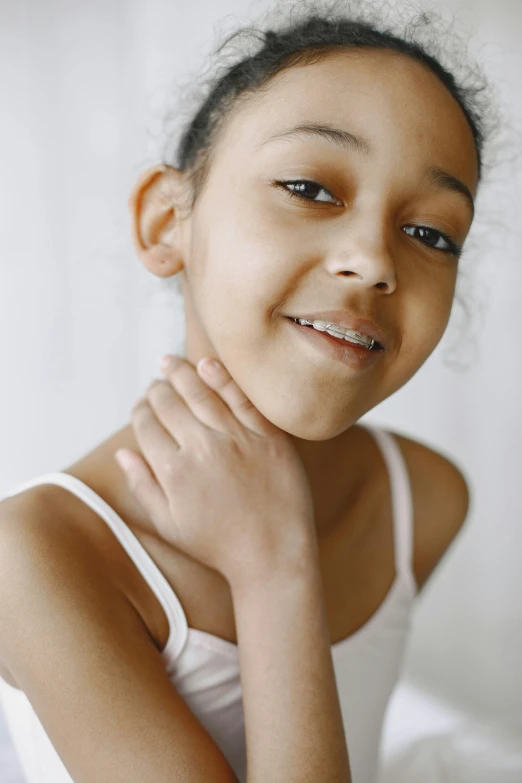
365, 258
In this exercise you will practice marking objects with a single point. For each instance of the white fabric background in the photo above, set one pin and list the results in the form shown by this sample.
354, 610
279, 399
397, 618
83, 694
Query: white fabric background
82, 323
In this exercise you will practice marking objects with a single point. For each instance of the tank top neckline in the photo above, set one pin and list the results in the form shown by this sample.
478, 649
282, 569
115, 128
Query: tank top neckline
223, 645
399, 582
401, 520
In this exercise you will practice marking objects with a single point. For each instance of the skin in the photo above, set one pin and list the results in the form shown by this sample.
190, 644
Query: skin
250, 253
247, 254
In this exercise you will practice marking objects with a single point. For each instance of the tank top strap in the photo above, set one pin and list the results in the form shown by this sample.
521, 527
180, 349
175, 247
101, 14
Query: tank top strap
140, 557
401, 501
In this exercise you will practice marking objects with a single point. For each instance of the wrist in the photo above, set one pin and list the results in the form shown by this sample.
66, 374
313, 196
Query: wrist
290, 561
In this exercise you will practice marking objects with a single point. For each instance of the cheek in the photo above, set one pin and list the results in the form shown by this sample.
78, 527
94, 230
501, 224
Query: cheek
242, 268
423, 327
233, 293
248, 250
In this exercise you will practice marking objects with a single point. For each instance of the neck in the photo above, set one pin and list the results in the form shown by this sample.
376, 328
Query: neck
333, 468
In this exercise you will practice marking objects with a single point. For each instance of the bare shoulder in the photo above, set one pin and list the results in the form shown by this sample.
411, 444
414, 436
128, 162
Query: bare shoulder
85, 661
45, 556
441, 500
39, 518
38, 538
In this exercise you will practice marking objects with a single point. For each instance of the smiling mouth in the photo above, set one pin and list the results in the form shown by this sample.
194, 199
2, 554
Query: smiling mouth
351, 338
354, 355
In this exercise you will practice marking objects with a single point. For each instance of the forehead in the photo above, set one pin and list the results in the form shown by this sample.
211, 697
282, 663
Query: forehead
390, 99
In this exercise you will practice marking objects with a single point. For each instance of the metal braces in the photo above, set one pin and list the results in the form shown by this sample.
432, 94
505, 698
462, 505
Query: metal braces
358, 338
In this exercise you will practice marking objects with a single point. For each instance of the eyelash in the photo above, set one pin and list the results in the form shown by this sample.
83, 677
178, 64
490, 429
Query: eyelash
454, 249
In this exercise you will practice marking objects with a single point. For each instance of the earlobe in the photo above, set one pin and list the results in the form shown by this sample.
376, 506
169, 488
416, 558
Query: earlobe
155, 232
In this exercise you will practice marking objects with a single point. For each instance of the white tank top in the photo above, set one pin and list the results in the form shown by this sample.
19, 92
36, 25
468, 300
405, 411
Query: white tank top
205, 668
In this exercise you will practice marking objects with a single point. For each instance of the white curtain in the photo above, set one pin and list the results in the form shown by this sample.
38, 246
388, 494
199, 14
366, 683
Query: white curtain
82, 90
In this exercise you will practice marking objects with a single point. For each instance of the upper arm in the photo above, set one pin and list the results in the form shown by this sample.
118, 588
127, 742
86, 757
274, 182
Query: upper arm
84, 659
441, 500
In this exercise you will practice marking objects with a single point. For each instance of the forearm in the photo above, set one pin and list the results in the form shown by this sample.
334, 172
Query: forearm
293, 721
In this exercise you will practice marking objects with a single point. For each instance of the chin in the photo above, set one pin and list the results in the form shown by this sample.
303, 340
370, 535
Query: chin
312, 427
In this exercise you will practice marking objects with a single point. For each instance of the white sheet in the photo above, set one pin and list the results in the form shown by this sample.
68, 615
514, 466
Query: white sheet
426, 740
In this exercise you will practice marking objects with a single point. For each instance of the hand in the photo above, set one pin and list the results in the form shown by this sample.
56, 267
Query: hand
217, 479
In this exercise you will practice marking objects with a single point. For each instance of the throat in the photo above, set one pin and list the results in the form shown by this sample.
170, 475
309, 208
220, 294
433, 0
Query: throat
339, 470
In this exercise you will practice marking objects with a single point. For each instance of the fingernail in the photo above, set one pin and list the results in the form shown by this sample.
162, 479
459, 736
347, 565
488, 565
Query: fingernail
123, 459
163, 362
209, 366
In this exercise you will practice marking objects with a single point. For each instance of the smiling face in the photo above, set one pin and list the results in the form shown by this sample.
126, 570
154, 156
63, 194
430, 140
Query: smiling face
254, 253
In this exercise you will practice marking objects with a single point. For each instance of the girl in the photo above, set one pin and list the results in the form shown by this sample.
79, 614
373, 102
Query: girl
234, 604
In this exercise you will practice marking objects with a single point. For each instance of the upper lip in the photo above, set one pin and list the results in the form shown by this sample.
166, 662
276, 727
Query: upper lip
347, 321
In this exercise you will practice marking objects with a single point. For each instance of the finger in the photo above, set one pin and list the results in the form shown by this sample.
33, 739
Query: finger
173, 413
143, 485
241, 406
205, 405
158, 446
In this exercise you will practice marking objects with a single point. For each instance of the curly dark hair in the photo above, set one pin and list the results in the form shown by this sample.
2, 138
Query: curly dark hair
307, 33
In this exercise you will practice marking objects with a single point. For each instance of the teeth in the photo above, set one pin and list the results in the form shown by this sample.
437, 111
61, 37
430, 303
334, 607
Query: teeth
337, 331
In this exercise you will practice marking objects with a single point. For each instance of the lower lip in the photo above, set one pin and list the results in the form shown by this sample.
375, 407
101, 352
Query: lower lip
355, 356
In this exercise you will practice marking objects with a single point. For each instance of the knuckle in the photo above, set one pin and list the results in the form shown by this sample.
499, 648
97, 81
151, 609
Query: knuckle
231, 386
185, 382
199, 395
243, 403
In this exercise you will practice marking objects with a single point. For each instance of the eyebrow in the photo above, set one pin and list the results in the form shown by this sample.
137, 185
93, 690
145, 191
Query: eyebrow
342, 138
445, 180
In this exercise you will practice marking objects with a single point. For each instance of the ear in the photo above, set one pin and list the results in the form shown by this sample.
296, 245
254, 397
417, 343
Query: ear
155, 208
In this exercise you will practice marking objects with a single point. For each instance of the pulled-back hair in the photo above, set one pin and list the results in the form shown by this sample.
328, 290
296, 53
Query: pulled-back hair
305, 32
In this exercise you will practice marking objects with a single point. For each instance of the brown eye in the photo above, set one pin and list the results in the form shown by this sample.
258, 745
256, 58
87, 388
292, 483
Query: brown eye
433, 238
306, 189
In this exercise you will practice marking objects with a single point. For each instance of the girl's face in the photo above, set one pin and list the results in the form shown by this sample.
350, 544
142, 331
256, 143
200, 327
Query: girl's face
253, 253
